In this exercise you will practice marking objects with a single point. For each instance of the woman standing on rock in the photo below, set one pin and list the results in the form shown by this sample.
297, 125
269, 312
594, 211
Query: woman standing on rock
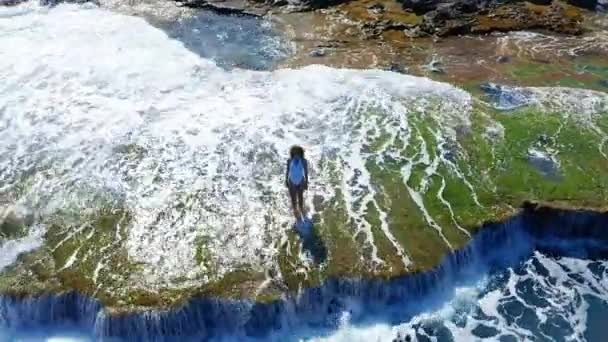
296, 180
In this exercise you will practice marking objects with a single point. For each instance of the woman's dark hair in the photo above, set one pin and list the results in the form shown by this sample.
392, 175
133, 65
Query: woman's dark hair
296, 151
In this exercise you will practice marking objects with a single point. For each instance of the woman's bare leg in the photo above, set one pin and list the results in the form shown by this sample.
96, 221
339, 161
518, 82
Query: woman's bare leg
301, 201
293, 194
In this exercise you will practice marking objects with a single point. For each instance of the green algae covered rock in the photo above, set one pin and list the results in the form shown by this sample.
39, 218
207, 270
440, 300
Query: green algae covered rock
153, 182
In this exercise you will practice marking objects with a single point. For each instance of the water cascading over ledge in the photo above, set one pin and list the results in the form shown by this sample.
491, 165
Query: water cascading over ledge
562, 232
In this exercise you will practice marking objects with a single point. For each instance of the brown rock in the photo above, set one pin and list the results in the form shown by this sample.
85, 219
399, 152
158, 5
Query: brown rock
229, 7
422, 18
556, 17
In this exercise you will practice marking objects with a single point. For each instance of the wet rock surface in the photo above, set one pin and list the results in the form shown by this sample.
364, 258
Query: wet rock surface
457, 18
416, 18
229, 7
419, 18
413, 18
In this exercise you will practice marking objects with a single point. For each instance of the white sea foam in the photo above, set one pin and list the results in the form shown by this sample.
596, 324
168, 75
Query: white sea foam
539, 45
582, 105
542, 297
99, 106
10, 249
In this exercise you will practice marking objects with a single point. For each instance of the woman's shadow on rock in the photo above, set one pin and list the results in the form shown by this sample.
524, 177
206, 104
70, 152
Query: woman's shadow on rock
311, 240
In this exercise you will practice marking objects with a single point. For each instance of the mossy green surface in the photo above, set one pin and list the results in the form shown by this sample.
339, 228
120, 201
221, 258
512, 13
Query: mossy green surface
430, 189
494, 176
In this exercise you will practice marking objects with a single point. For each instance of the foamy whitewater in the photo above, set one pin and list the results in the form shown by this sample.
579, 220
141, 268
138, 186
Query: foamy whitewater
101, 108
104, 108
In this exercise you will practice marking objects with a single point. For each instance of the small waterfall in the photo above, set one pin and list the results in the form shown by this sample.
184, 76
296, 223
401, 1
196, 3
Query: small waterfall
68, 308
564, 232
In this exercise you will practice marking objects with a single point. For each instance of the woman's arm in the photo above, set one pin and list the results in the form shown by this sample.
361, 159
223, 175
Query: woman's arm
306, 173
287, 173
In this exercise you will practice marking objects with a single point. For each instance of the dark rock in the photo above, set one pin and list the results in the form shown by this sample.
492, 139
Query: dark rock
317, 53
543, 139
376, 8
541, 2
456, 27
453, 7
11, 2
414, 32
485, 332
588, 4
57, 2
229, 7
306, 5
453, 18
420, 6
330, 45
604, 83
402, 338
394, 67
503, 59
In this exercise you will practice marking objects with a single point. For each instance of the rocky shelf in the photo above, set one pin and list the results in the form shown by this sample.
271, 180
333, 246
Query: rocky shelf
417, 189
420, 18
562, 232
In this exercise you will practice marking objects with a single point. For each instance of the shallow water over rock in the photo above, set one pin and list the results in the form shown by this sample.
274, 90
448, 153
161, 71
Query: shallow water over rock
505, 97
231, 41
